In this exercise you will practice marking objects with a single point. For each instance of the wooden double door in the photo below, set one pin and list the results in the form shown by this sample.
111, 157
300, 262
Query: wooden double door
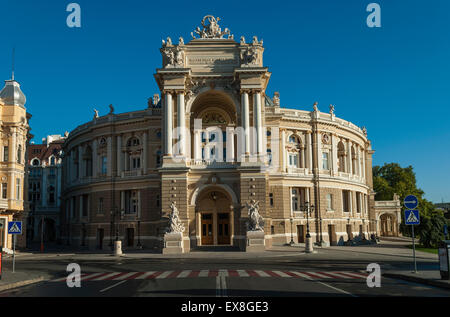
219, 232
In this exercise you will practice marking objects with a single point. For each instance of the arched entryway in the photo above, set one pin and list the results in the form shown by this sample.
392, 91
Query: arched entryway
214, 217
389, 225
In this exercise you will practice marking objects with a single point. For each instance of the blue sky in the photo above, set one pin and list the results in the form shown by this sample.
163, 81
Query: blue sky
394, 80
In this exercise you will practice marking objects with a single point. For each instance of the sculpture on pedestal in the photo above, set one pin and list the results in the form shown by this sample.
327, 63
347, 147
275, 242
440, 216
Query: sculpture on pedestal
256, 222
175, 225
211, 30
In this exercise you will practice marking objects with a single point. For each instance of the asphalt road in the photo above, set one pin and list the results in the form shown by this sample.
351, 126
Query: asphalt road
284, 275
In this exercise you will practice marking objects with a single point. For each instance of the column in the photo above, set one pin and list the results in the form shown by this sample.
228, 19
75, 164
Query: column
334, 153
349, 156
80, 162
12, 148
94, 159
109, 156
283, 150
246, 121
168, 117
258, 123
319, 150
197, 145
119, 156
303, 156
181, 123
145, 154
309, 149
363, 160
122, 200
230, 144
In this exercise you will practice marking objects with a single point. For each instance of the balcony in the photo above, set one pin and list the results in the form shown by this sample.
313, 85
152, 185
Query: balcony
203, 164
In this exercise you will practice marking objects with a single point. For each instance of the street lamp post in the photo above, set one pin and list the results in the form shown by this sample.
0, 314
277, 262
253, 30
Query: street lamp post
139, 235
309, 245
292, 233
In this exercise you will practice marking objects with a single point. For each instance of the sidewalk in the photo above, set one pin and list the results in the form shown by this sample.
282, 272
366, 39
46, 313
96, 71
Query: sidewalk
13, 280
432, 278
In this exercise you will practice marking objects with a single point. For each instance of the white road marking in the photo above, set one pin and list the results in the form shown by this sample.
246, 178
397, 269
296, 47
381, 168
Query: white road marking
120, 278
108, 288
90, 276
143, 276
203, 273
302, 275
101, 278
262, 274
282, 274
243, 273
319, 275
164, 275
184, 273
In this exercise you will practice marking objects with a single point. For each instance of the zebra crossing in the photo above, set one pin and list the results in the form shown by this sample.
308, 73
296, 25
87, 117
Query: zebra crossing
121, 276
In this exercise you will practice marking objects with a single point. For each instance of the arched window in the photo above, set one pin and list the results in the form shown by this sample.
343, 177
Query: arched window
35, 162
87, 158
133, 154
341, 157
354, 161
294, 151
52, 161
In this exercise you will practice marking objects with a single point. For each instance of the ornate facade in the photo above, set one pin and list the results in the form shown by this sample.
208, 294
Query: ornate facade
220, 150
14, 137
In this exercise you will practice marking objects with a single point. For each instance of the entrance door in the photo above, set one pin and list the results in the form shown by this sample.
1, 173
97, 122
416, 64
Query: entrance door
223, 228
301, 234
130, 237
207, 229
332, 234
100, 235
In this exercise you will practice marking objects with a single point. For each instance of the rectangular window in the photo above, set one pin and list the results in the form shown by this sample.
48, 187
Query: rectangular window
131, 202
358, 202
271, 199
104, 165
84, 210
100, 205
329, 201
18, 188
5, 190
325, 165
5, 153
346, 200
293, 160
136, 162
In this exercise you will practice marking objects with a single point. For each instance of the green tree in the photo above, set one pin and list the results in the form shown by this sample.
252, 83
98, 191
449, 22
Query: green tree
392, 178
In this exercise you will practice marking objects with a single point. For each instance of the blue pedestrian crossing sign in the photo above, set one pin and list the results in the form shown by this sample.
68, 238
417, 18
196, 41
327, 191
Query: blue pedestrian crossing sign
412, 217
411, 202
15, 227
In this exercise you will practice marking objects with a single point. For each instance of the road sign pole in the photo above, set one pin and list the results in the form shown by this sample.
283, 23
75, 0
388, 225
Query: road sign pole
414, 249
14, 253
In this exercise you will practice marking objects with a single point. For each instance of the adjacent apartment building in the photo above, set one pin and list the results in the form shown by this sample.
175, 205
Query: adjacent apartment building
14, 135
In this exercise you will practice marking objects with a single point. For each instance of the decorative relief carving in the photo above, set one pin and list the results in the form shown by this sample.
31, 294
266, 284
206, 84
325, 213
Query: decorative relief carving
250, 56
213, 118
276, 99
325, 138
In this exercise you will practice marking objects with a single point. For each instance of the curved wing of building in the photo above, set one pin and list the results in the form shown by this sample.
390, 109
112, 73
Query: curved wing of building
216, 146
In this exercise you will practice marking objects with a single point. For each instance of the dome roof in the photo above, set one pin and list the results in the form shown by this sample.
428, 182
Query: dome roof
12, 95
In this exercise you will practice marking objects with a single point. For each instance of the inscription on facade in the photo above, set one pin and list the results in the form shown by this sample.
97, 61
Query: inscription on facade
212, 60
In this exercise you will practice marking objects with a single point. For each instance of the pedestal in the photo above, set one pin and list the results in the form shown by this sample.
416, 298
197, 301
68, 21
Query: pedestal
173, 243
255, 241
117, 247
309, 245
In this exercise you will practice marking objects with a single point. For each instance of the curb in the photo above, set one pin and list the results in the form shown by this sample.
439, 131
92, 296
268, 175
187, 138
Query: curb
21, 283
418, 280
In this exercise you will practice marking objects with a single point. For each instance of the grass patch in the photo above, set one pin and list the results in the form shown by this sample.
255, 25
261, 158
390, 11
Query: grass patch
423, 249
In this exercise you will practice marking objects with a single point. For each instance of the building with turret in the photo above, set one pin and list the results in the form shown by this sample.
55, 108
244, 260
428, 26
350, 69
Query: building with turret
14, 134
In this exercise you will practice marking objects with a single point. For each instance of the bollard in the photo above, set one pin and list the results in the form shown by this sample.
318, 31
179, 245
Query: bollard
309, 245
117, 247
